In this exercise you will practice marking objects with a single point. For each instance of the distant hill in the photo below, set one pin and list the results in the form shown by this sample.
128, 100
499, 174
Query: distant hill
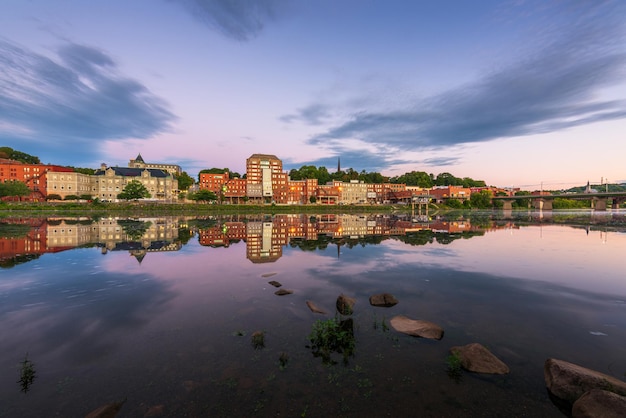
618, 187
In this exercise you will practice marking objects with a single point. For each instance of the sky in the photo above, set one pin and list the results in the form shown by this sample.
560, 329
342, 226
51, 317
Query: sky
519, 93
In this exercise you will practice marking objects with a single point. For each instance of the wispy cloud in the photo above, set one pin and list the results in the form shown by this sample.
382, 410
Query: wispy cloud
553, 87
314, 114
80, 97
241, 20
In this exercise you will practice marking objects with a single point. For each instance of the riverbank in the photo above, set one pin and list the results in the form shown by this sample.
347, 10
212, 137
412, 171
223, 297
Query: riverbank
154, 208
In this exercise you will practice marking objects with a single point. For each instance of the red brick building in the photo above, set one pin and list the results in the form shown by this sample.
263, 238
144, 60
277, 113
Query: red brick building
33, 175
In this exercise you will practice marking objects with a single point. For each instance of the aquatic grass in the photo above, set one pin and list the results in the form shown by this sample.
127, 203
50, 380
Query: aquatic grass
332, 336
27, 374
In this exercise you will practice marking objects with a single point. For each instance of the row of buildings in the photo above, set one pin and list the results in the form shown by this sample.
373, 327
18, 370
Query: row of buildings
45, 180
265, 182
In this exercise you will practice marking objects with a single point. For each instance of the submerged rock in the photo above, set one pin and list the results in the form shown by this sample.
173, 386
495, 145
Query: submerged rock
275, 283
599, 403
476, 358
282, 292
106, 411
569, 381
417, 328
345, 305
385, 300
314, 308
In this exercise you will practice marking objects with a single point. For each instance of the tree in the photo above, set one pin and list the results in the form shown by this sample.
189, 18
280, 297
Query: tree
133, 228
134, 190
54, 196
14, 188
184, 180
11, 154
203, 196
481, 200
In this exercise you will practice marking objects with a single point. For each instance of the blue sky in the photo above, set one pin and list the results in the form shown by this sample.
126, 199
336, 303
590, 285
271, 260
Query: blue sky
517, 93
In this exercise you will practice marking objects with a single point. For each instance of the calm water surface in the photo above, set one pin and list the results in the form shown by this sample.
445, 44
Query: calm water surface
161, 312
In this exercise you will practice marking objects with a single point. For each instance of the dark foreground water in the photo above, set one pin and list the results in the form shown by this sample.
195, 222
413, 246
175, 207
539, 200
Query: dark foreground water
162, 311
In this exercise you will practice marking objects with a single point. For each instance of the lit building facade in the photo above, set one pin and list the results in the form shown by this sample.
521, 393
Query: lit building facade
262, 170
140, 163
111, 181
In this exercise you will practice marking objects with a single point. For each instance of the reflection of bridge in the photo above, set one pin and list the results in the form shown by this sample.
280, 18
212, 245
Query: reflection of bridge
599, 200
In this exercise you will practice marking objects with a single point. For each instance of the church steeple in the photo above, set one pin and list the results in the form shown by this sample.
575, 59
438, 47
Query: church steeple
139, 158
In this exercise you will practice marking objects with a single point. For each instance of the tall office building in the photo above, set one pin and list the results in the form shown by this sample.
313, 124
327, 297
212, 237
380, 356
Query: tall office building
262, 173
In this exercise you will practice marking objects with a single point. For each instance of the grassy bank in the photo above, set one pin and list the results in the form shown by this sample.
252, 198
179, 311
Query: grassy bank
152, 208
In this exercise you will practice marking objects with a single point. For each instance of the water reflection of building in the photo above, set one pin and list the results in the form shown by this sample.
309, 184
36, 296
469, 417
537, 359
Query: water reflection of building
265, 237
23, 237
46, 235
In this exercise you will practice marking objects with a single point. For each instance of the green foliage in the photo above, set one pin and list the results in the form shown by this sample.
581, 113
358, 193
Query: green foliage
54, 196
258, 340
8, 230
481, 200
454, 203
415, 178
85, 197
203, 196
454, 367
134, 229
14, 188
11, 154
332, 335
90, 171
71, 197
563, 203
311, 172
184, 180
283, 360
134, 190
27, 374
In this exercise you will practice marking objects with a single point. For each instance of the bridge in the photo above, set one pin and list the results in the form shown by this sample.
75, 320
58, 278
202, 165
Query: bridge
599, 200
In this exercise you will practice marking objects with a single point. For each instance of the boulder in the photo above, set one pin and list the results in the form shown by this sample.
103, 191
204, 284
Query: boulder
282, 292
106, 411
345, 305
599, 403
314, 308
275, 283
476, 358
416, 328
568, 381
385, 300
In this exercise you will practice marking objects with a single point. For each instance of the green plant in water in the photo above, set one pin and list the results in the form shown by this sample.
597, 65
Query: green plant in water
283, 360
27, 374
453, 361
332, 335
258, 340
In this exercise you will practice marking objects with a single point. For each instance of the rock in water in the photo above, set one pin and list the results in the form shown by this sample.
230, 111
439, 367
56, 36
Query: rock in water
345, 305
385, 300
313, 307
568, 381
282, 292
417, 328
275, 283
476, 358
106, 411
599, 403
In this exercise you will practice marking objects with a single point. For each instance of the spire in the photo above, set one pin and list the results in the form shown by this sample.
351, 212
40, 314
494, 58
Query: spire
139, 158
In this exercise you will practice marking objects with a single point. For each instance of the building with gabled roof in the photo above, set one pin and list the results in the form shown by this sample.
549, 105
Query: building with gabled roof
111, 181
139, 162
